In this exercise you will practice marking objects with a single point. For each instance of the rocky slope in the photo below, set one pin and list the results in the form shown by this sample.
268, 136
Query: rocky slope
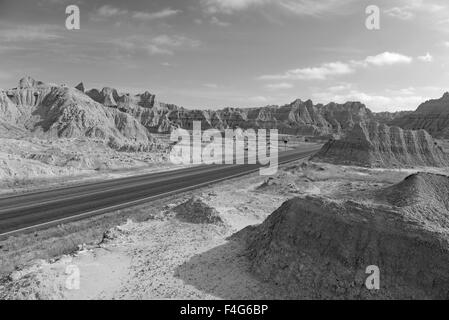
59, 111
318, 248
388, 117
299, 117
432, 116
378, 145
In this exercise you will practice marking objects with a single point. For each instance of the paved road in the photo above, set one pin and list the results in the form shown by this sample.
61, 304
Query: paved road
38, 209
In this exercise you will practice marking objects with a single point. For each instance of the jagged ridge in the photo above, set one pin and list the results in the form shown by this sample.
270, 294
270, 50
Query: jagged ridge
60, 111
299, 117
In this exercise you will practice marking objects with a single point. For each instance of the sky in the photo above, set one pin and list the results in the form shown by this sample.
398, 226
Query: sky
234, 53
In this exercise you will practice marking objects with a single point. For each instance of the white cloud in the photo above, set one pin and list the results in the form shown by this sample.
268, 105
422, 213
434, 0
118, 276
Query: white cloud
298, 7
228, 6
108, 11
409, 9
165, 13
158, 45
155, 50
311, 7
214, 20
387, 59
402, 13
30, 33
278, 86
427, 58
175, 41
403, 91
338, 68
340, 87
210, 85
259, 99
313, 73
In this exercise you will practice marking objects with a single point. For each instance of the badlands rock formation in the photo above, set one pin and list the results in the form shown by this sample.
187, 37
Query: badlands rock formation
60, 111
388, 117
80, 87
145, 111
320, 248
378, 145
299, 117
432, 116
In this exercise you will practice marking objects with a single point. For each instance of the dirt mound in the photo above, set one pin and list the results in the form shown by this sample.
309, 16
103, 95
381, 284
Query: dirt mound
287, 183
424, 196
195, 210
378, 145
319, 248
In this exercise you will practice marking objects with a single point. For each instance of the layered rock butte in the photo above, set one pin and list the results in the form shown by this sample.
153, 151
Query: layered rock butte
60, 111
432, 116
319, 248
378, 145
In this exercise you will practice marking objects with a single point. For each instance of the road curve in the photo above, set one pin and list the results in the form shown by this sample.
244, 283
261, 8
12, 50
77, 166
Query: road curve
39, 209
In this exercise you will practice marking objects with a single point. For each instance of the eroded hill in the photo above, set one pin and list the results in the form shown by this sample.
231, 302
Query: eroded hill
378, 145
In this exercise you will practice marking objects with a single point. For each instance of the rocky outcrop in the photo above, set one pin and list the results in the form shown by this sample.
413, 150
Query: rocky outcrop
28, 82
60, 111
320, 248
80, 87
107, 96
432, 116
299, 117
378, 145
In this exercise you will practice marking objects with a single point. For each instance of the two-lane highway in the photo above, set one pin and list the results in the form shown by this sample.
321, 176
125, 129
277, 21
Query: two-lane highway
39, 209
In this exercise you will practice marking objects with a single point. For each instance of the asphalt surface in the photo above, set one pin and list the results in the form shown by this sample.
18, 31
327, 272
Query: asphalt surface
40, 209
